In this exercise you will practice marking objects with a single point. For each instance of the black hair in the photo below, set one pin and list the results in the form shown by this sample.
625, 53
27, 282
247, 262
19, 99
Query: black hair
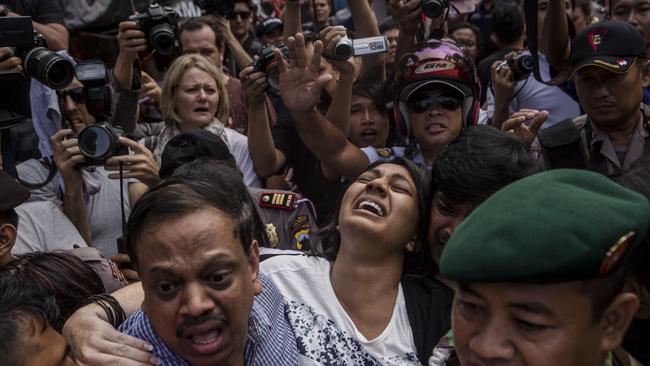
507, 22
415, 264
225, 173
9, 217
374, 90
387, 24
180, 195
479, 162
470, 26
195, 24
603, 290
62, 276
21, 309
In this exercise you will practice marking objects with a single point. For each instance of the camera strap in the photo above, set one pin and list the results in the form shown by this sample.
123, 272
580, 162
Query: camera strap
530, 12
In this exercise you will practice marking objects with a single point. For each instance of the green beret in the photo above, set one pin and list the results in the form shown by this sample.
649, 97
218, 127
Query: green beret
555, 226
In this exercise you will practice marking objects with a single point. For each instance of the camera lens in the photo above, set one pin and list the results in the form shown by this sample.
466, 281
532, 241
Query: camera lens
49, 68
96, 142
525, 63
432, 8
343, 49
163, 39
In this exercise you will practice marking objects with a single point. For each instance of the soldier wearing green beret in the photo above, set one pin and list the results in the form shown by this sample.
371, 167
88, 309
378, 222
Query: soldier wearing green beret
539, 272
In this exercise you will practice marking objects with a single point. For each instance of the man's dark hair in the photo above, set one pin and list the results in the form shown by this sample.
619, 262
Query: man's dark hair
9, 217
507, 22
603, 290
196, 24
21, 309
62, 276
181, 195
481, 161
470, 26
387, 24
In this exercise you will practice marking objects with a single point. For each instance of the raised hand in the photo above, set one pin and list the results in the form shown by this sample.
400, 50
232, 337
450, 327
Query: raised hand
141, 165
525, 132
300, 84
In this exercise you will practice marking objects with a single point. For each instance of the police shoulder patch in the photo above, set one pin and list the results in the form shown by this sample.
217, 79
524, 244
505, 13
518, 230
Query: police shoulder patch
283, 201
384, 152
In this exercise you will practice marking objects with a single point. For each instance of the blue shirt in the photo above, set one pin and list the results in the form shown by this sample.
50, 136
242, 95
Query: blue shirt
270, 338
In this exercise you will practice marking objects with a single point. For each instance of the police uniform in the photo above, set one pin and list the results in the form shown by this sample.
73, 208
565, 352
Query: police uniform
614, 46
557, 226
290, 219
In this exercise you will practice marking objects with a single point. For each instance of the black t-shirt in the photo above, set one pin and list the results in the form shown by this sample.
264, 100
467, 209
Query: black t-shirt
307, 172
41, 11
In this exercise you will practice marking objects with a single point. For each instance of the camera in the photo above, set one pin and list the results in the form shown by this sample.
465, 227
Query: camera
434, 8
521, 66
160, 26
39, 63
99, 141
346, 48
266, 63
222, 7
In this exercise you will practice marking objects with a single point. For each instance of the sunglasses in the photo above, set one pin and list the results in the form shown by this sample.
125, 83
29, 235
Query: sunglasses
77, 94
241, 14
422, 103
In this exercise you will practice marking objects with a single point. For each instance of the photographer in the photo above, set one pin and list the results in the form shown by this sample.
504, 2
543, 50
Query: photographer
47, 19
509, 93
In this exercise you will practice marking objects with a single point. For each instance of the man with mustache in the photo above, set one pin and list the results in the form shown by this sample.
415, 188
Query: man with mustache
610, 69
195, 244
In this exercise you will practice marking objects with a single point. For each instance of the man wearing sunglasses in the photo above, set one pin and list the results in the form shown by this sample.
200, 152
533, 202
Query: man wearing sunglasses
242, 27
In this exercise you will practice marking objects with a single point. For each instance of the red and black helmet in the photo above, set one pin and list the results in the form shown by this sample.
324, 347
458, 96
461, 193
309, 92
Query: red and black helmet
437, 62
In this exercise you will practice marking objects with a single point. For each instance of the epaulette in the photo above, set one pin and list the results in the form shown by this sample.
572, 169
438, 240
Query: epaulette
384, 152
283, 201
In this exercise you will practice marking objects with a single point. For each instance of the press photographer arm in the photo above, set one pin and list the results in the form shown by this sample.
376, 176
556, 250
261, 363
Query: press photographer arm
503, 89
9, 62
68, 159
242, 58
56, 35
365, 24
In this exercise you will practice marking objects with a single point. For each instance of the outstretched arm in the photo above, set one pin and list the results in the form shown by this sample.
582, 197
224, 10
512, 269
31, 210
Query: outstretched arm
300, 87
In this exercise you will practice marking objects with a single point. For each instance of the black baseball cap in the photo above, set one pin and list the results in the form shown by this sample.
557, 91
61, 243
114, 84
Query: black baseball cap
12, 193
613, 45
268, 25
189, 146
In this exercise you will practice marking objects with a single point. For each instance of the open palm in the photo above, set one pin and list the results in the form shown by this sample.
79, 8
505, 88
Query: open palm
300, 84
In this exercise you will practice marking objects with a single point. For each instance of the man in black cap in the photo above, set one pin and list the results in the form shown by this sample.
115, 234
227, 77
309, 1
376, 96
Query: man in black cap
608, 64
289, 219
269, 31
12, 195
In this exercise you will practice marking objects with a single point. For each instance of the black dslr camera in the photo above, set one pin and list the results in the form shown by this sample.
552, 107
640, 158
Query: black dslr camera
266, 63
521, 66
434, 8
160, 26
222, 7
99, 141
39, 63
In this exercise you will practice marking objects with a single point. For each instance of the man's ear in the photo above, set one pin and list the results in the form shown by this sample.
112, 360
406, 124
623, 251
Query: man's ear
7, 240
254, 266
645, 73
617, 318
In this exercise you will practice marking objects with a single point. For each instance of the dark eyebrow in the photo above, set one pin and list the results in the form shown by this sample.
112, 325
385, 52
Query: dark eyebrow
471, 291
216, 259
532, 307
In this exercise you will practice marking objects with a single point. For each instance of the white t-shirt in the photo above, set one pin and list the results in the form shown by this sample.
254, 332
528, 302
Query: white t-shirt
325, 334
238, 146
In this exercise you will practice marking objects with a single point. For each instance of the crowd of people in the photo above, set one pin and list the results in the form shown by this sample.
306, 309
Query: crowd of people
464, 187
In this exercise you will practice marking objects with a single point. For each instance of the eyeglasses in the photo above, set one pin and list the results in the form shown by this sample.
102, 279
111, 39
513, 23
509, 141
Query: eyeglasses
422, 103
77, 94
243, 15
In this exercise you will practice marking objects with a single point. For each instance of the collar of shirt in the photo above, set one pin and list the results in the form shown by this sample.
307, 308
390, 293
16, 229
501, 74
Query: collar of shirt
635, 148
270, 338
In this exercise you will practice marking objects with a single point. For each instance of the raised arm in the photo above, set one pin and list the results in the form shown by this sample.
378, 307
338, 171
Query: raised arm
267, 160
365, 25
558, 47
242, 58
291, 19
300, 87
407, 15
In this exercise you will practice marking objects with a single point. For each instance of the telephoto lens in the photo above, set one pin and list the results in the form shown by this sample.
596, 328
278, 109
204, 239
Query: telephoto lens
163, 39
99, 142
48, 67
434, 8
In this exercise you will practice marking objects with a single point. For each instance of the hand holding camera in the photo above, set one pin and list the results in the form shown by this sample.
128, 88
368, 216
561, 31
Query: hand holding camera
160, 26
67, 157
254, 84
407, 14
9, 62
266, 63
141, 165
131, 40
331, 38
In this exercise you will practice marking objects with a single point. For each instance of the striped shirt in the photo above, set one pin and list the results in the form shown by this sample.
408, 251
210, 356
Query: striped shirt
271, 341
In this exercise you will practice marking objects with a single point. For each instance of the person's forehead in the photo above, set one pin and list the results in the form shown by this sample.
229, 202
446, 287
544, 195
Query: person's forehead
628, 2
322, 2
464, 33
551, 295
241, 6
391, 170
195, 74
203, 35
